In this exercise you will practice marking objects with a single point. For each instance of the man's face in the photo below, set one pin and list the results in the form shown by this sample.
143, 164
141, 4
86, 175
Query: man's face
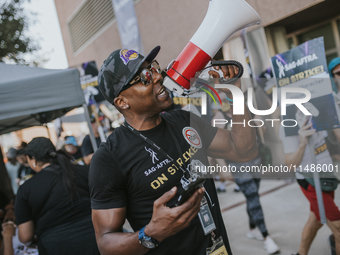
70, 148
149, 98
336, 74
22, 160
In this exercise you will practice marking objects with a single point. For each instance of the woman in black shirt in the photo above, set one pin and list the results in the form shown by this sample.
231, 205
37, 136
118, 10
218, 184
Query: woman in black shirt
54, 204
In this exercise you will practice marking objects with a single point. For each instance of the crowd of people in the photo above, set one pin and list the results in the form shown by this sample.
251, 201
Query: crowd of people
53, 212
76, 201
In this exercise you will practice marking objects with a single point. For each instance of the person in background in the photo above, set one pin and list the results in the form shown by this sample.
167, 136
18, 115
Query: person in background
8, 231
86, 147
6, 215
22, 145
332, 138
25, 172
11, 244
221, 178
9, 235
297, 153
249, 184
334, 72
71, 146
54, 205
6, 208
12, 167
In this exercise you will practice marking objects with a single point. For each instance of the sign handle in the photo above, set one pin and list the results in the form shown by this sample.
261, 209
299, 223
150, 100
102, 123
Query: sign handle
317, 182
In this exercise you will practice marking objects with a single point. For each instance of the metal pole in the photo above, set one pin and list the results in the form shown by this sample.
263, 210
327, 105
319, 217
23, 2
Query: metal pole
101, 133
48, 132
87, 117
253, 76
317, 182
99, 128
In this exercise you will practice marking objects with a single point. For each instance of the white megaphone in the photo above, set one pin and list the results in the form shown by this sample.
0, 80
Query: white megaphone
224, 18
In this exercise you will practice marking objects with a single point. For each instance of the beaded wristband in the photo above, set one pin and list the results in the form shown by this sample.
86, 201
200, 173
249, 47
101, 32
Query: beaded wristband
230, 101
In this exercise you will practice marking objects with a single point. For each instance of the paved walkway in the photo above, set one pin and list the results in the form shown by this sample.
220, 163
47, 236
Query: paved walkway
286, 211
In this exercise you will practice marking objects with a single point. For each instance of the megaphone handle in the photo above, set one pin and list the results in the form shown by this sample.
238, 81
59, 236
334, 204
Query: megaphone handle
230, 63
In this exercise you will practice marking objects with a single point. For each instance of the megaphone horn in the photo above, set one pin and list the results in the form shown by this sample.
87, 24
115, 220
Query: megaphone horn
223, 18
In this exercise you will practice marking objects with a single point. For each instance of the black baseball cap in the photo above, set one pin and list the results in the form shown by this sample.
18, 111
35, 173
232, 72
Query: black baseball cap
118, 70
12, 153
39, 147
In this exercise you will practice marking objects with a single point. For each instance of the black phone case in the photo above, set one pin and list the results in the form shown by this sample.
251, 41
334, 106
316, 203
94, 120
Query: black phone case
185, 193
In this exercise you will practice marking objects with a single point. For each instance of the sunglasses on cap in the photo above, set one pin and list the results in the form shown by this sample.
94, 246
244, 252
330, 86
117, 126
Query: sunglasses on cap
145, 76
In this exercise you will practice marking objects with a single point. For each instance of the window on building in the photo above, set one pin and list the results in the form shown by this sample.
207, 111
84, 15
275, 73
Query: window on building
291, 43
89, 21
91, 17
325, 31
329, 33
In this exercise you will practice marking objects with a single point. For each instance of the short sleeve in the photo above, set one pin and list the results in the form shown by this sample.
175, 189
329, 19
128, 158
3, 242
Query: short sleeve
23, 211
290, 143
86, 147
206, 131
106, 182
3, 200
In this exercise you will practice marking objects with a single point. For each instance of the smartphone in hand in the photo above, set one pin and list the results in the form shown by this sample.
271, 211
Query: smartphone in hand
187, 191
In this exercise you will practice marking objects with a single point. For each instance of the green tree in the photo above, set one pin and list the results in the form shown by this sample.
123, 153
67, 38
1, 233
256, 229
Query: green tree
14, 42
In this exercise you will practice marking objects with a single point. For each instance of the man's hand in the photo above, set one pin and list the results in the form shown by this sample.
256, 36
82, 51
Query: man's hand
229, 72
167, 221
9, 215
296, 157
8, 229
305, 132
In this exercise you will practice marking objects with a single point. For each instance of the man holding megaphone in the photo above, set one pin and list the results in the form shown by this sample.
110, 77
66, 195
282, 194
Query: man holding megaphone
146, 171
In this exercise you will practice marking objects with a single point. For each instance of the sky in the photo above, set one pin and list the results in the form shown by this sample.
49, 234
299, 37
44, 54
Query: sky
46, 32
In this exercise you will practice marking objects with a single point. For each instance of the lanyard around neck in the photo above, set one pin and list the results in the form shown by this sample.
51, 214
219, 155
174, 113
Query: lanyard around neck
158, 148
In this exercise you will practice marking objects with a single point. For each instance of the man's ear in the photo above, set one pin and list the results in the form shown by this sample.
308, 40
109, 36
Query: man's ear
121, 102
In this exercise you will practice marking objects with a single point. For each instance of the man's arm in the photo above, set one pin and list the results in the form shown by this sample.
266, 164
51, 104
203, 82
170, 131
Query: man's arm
8, 231
165, 222
87, 159
337, 133
9, 216
239, 144
26, 232
87, 150
296, 157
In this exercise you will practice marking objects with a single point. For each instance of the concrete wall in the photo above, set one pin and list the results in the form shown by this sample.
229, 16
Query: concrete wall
167, 23
274, 10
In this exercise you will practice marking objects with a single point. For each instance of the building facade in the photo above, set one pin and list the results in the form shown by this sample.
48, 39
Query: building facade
90, 33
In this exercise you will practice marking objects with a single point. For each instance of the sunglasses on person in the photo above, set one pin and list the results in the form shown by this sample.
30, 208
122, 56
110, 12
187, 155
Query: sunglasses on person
336, 73
145, 76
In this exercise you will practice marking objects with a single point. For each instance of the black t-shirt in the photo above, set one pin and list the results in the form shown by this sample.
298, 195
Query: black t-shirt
78, 156
25, 172
3, 200
86, 147
44, 199
128, 172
